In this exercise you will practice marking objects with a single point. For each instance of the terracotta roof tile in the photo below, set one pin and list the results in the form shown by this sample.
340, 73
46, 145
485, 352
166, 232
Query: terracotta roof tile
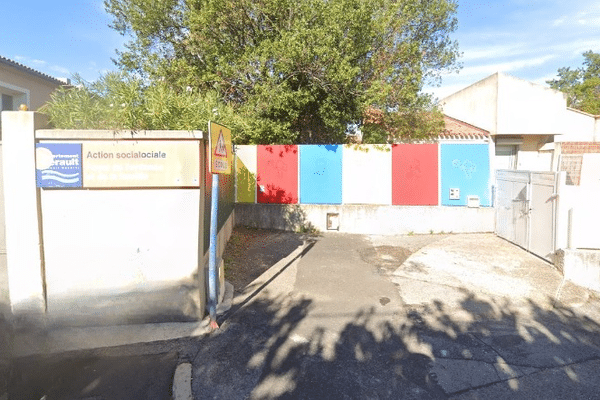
456, 129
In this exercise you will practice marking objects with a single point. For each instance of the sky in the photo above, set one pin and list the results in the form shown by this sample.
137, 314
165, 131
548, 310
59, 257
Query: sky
526, 39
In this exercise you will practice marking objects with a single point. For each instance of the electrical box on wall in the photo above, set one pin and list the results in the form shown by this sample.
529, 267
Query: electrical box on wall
473, 201
454, 194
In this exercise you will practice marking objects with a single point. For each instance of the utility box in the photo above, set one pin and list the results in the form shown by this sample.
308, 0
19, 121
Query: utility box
454, 194
473, 201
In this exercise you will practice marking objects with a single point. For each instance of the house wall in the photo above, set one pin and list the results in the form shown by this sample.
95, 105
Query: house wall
505, 105
529, 156
525, 108
27, 88
476, 104
578, 127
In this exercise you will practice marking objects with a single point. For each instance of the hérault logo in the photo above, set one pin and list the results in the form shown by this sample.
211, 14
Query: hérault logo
58, 165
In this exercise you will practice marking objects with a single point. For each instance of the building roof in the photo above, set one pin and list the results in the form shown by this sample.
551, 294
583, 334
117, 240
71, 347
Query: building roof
31, 71
457, 129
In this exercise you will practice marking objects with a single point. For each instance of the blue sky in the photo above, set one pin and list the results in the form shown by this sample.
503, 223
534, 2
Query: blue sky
527, 39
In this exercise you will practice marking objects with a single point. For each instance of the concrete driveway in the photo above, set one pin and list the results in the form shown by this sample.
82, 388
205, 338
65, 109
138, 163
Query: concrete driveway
350, 316
403, 317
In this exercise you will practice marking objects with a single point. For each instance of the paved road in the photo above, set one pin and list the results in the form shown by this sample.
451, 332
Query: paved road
375, 317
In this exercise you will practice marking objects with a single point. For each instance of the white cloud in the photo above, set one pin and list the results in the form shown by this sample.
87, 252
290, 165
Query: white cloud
506, 66
493, 51
60, 70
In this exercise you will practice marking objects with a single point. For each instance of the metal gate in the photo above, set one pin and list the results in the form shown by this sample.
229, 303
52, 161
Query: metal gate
526, 209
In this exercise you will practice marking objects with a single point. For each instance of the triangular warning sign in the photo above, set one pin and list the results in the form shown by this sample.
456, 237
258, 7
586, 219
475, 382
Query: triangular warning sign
220, 149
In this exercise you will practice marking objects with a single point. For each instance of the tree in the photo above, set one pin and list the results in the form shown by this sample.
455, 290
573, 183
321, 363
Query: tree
581, 85
297, 71
121, 101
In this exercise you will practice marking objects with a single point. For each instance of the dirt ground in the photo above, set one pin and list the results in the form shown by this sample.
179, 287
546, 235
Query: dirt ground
250, 252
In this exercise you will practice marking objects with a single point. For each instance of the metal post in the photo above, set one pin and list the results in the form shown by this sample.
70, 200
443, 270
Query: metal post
212, 256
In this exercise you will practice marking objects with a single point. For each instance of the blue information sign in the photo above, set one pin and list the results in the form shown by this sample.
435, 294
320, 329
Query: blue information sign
58, 165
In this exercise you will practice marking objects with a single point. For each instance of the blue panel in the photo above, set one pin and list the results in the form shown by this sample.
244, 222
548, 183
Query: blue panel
465, 167
58, 165
320, 174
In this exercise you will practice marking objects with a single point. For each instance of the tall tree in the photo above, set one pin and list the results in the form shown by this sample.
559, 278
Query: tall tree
581, 85
299, 71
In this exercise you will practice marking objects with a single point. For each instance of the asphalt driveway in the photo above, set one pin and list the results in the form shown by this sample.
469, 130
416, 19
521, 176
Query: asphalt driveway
458, 316
358, 317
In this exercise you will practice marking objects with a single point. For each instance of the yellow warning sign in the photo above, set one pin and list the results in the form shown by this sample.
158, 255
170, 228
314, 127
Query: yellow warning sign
220, 148
221, 156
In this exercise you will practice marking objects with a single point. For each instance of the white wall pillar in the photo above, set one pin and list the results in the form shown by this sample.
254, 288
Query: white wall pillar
21, 203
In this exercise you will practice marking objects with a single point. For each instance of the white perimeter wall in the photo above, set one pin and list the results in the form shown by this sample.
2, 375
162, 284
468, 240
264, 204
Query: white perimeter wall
112, 242
367, 175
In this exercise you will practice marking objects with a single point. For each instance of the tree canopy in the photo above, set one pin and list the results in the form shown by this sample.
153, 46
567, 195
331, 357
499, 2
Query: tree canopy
581, 85
296, 71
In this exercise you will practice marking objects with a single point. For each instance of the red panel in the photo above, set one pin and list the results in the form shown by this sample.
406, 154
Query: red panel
277, 174
415, 174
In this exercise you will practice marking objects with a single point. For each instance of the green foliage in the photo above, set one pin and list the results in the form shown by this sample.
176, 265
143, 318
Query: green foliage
581, 85
295, 71
120, 101
387, 126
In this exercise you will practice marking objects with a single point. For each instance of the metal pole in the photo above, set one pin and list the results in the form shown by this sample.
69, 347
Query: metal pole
212, 256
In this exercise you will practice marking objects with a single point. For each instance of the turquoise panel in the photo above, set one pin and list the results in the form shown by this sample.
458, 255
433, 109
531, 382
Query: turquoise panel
320, 174
465, 167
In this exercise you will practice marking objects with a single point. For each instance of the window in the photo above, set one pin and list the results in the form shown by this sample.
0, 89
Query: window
7, 103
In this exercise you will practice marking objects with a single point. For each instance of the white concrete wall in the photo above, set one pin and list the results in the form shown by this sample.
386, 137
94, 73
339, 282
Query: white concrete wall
526, 108
368, 219
23, 239
505, 105
577, 127
581, 230
367, 174
476, 104
114, 254
101, 242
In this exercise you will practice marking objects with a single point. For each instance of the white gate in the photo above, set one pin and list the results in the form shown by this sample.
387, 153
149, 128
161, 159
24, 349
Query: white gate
526, 209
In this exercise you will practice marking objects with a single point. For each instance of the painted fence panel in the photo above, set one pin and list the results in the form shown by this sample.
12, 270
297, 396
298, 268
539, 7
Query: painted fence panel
465, 167
277, 177
245, 168
415, 174
367, 174
321, 174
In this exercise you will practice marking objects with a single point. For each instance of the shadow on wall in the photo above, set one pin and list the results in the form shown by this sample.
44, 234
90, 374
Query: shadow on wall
281, 150
272, 194
5, 328
286, 217
426, 352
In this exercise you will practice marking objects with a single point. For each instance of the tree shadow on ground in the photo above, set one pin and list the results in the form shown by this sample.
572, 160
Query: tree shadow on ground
478, 348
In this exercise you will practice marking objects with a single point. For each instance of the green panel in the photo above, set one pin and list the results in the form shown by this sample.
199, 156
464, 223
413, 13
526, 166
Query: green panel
246, 183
